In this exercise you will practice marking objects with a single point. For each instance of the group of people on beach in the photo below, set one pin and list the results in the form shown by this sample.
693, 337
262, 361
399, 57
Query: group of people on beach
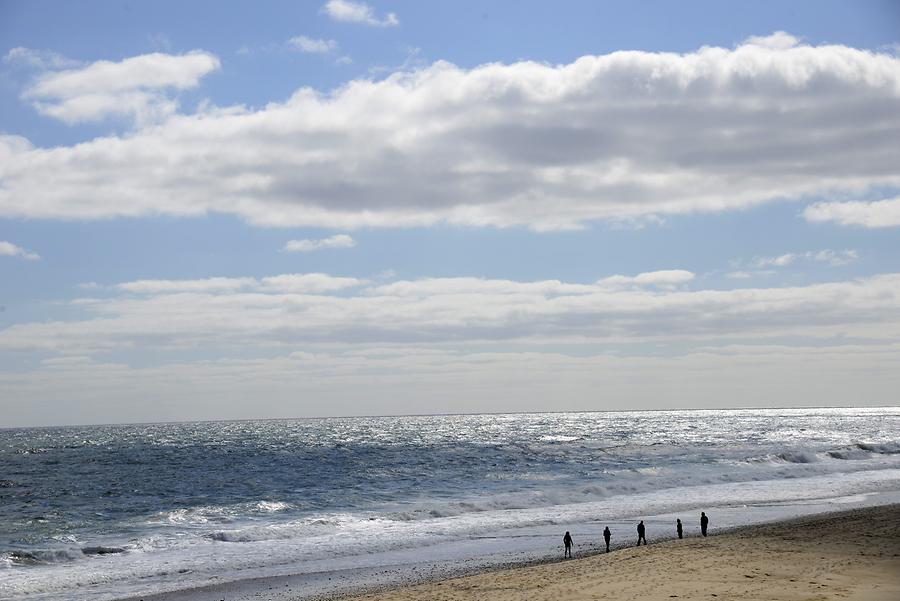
641, 531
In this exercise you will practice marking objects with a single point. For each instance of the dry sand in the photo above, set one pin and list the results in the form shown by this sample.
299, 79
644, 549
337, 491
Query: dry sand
853, 555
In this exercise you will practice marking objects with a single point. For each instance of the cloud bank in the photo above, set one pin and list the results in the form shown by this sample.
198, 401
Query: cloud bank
316, 344
619, 136
298, 310
319, 344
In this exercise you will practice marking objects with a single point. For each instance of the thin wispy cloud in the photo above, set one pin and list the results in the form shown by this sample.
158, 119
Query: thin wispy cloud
309, 245
38, 59
209, 285
324, 47
8, 249
292, 282
309, 45
739, 275
779, 261
835, 258
358, 12
160, 42
412, 61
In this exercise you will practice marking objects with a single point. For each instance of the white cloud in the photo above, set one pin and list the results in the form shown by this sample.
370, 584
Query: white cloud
746, 275
779, 40
301, 43
308, 283
312, 45
668, 278
620, 136
473, 287
8, 249
779, 261
876, 214
835, 258
357, 12
311, 309
739, 275
139, 87
307, 245
292, 282
38, 59
215, 284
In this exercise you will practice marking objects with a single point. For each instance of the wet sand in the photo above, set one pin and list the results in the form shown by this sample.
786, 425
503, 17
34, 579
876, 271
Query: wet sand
851, 555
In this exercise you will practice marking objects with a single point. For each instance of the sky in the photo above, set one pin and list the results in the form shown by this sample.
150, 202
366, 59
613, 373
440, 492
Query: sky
296, 209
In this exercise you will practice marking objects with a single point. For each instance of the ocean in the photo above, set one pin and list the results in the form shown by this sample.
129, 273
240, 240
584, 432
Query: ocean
109, 512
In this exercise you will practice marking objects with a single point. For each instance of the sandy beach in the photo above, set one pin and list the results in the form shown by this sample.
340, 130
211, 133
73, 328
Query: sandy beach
849, 555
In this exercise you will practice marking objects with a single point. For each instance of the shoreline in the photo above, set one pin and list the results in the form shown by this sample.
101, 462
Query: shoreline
843, 554
394, 582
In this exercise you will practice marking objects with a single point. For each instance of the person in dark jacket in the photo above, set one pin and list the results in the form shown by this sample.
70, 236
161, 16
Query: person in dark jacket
704, 522
567, 541
641, 537
678, 528
606, 536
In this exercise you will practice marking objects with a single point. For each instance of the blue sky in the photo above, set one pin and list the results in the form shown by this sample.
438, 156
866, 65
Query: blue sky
214, 211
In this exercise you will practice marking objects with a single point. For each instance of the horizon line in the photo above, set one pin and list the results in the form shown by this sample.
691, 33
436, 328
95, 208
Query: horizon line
448, 414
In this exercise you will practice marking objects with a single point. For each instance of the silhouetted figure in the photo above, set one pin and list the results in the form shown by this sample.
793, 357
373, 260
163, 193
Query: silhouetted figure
606, 536
704, 523
567, 541
678, 528
641, 536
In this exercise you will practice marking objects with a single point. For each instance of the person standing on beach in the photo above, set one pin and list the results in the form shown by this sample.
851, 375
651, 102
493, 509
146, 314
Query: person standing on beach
678, 528
641, 537
704, 522
606, 536
567, 541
